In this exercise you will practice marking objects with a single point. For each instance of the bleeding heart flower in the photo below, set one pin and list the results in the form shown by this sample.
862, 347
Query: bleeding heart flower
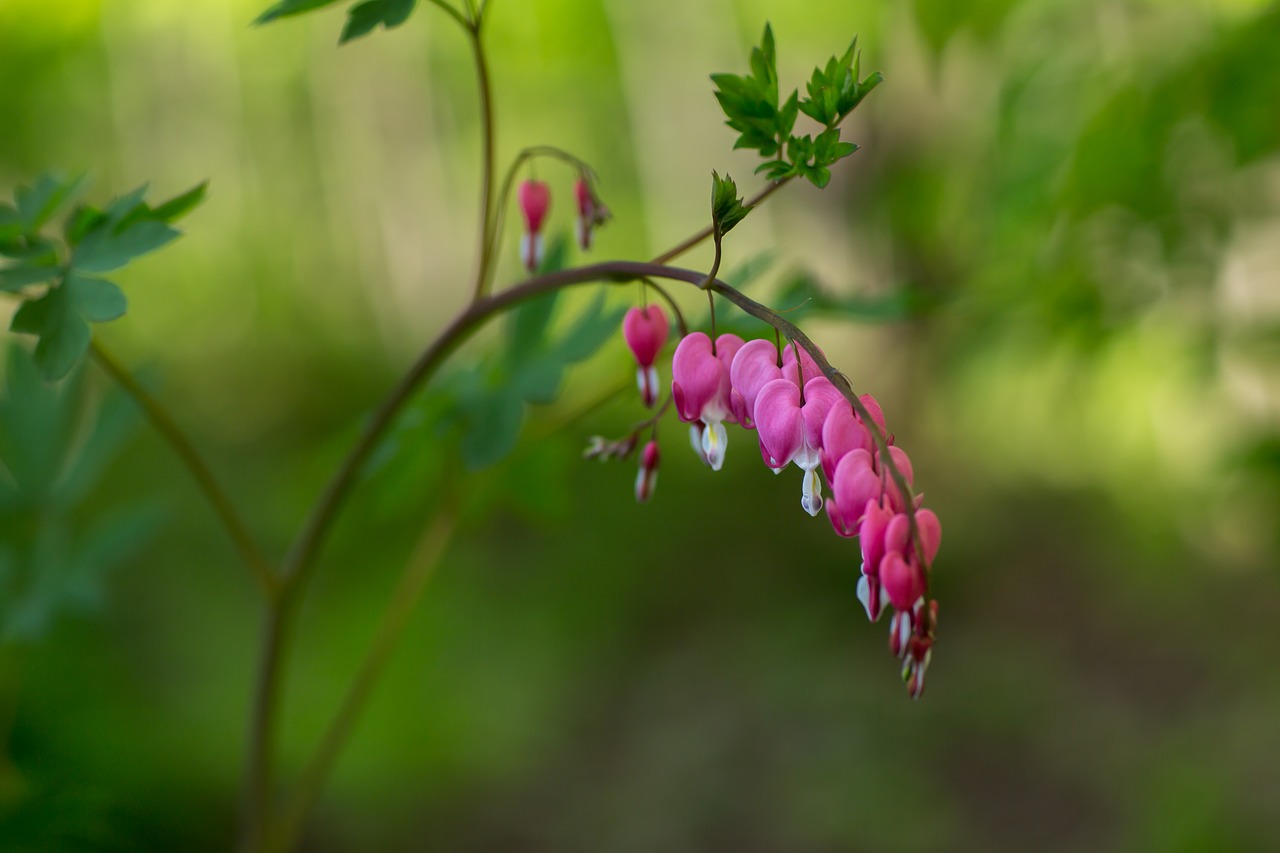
645, 331
535, 199
700, 388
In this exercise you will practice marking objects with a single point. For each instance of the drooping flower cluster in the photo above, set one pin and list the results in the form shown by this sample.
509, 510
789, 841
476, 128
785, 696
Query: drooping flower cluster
800, 417
534, 198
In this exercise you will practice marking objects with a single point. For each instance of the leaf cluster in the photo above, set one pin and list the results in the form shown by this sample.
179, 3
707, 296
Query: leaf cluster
727, 209
764, 123
362, 18
93, 241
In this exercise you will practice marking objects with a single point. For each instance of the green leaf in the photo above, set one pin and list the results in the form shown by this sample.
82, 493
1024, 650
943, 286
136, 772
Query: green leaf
81, 221
180, 205
537, 380
286, 8
61, 318
364, 17
16, 277
36, 204
10, 223
104, 249
64, 334
529, 324
97, 300
727, 209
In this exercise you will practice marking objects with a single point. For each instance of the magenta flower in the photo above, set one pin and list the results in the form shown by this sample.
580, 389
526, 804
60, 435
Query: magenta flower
756, 365
789, 424
535, 199
855, 483
844, 431
647, 476
645, 331
700, 388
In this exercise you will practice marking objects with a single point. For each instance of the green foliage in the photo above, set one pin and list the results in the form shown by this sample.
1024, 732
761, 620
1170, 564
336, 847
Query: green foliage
93, 242
288, 8
362, 18
751, 103
727, 209
54, 447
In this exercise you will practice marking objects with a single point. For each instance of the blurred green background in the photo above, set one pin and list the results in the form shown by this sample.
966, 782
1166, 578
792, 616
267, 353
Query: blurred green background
1063, 231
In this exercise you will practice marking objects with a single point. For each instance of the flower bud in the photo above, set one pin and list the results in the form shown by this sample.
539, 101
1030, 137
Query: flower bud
535, 199
645, 331
591, 212
647, 476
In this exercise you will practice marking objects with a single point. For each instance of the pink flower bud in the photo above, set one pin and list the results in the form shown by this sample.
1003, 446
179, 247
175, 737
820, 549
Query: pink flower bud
645, 331
647, 476
591, 212
535, 199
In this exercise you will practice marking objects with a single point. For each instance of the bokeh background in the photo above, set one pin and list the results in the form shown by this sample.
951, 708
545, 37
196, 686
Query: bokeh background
1059, 255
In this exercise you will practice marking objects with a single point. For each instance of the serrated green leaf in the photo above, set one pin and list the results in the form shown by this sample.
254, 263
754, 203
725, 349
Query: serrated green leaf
180, 205
364, 17
96, 299
286, 8
787, 115
125, 207
17, 277
727, 209
36, 204
104, 250
819, 176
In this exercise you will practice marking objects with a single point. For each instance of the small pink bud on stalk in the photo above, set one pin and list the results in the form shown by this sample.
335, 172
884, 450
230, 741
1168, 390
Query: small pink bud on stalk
647, 476
591, 212
535, 199
645, 331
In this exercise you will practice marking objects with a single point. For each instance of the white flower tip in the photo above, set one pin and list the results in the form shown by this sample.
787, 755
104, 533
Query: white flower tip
714, 442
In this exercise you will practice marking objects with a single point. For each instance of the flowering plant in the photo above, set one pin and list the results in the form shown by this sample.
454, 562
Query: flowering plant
802, 409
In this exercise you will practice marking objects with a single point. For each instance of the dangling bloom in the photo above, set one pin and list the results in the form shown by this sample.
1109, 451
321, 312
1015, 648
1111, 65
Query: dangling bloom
591, 212
647, 476
535, 199
700, 388
645, 331
790, 429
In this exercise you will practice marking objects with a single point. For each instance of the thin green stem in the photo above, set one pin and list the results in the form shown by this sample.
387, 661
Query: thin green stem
186, 451
685, 245
413, 580
671, 303
487, 159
